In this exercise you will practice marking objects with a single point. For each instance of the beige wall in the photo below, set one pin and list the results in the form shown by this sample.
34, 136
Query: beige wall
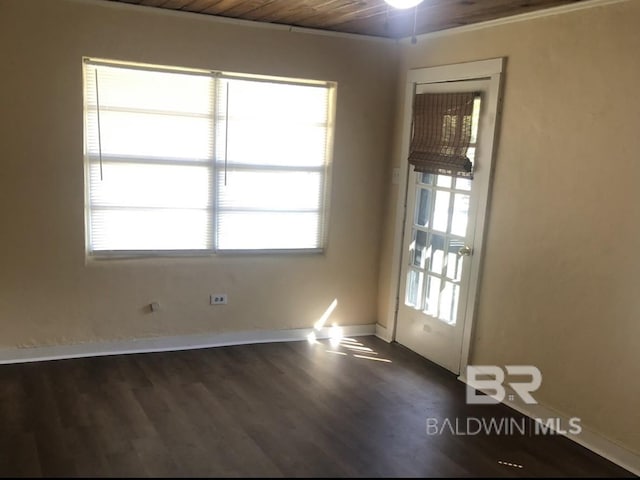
558, 287
49, 295
560, 283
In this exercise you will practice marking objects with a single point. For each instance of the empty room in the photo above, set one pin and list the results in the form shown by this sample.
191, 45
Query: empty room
278, 238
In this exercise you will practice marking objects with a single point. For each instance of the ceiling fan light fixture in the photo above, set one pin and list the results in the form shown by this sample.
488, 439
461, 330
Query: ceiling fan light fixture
403, 4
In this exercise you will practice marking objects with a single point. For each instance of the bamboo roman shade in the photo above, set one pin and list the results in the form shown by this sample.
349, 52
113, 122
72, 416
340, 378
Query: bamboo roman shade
442, 129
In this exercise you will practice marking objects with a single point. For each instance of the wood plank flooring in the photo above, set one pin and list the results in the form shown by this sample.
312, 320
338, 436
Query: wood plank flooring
281, 409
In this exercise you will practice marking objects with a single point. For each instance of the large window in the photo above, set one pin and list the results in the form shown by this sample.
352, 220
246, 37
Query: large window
199, 161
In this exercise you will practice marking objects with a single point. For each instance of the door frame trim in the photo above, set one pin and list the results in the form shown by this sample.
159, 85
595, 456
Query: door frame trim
491, 70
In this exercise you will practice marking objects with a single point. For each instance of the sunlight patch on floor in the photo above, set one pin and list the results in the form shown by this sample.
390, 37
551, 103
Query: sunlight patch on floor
347, 347
338, 343
373, 358
360, 349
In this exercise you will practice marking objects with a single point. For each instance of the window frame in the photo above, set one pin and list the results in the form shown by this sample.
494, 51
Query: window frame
214, 164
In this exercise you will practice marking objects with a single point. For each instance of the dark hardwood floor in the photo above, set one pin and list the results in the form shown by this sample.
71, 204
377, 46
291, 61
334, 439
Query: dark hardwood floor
282, 409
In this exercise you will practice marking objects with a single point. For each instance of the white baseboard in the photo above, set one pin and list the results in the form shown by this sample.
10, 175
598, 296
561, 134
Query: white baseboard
383, 333
588, 438
165, 344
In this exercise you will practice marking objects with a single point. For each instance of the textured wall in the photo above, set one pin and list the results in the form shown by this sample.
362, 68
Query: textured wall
49, 294
559, 286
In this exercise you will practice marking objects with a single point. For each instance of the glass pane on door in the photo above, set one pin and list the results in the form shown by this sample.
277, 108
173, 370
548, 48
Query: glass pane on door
420, 249
433, 295
436, 253
414, 289
448, 302
423, 208
460, 214
440, 219
441, 211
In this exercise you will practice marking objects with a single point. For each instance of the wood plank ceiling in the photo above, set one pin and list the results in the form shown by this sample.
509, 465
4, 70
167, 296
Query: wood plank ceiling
365, 17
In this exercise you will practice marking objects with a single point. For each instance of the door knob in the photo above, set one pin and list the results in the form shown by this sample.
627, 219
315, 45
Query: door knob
465, 251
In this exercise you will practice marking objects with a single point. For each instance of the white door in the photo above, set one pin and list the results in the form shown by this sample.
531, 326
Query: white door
440, 259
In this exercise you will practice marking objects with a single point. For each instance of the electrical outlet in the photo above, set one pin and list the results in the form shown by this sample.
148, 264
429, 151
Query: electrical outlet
154, 306
218, 299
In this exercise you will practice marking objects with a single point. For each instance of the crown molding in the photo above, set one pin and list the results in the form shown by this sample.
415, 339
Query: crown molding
230, 21
523, 17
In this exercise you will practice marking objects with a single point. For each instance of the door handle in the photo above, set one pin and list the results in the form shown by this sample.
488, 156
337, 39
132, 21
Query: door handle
465, 251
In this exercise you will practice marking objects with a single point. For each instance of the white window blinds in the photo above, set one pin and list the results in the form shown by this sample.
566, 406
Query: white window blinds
199, 161
275, 172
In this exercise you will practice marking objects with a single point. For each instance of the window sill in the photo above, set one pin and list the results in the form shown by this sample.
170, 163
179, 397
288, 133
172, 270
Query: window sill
103, 256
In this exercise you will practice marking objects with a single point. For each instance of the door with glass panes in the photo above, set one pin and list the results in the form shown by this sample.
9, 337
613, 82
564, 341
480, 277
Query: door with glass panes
438, 247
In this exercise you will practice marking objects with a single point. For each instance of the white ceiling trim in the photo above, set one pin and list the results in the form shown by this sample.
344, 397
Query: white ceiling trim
523, 17
230, 21
353, 36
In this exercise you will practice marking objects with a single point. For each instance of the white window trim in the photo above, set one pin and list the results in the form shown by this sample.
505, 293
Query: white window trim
484, 69
326, 170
